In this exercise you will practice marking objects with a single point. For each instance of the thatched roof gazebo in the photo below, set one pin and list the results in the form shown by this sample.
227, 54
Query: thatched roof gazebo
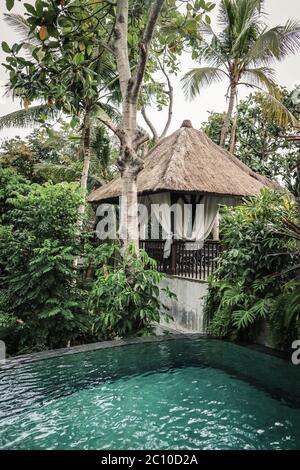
188, 161
188, 168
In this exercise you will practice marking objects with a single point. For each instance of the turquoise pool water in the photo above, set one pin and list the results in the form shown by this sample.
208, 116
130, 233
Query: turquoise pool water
179, 394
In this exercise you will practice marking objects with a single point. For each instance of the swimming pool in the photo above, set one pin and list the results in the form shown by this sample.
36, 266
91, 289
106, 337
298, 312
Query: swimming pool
179, 394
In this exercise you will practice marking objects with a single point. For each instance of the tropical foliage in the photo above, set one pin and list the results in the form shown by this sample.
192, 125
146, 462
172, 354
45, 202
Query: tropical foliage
125, 294
52, 155
81, 60
45, 302
40, 301
83, 56
243, 53
261, 143
253, 283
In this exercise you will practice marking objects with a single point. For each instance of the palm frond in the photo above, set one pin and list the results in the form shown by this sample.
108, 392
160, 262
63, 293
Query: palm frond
21, 27
261, 77
275, 43
59, 173
29, 118
226, 13
109, 110
210, 47
245, 318
266, 48
289, 38
276, 110
198, 78
247, 12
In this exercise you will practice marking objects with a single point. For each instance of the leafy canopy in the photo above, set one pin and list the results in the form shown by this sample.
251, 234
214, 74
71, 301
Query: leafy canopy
252, 281
261, 143
126, 294
243, 52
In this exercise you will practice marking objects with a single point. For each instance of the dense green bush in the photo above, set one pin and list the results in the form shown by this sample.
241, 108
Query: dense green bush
125, 294
10, 184
46, 299
40, 299
252, 282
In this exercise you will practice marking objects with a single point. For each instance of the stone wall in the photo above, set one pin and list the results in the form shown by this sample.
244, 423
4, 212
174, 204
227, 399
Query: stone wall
187, 310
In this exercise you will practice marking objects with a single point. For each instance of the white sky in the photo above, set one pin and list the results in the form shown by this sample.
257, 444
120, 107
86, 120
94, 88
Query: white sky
212, 99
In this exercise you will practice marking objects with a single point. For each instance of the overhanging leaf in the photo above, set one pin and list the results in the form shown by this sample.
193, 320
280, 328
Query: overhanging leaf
10, 4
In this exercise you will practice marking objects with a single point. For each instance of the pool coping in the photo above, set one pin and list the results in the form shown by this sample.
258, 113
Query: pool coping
50, 354
169, 335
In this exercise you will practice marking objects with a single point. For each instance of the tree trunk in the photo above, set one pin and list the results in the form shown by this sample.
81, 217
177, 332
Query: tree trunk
228, 115
298, 185
130, 137
129, 233
86, 153
233, 136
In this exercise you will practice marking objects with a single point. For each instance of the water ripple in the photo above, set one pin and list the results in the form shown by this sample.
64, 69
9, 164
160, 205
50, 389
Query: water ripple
174, 395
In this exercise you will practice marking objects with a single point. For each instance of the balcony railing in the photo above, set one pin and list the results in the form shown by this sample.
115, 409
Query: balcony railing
184, 262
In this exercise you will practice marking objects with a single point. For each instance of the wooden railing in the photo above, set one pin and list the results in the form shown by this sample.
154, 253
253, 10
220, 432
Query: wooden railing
184, 262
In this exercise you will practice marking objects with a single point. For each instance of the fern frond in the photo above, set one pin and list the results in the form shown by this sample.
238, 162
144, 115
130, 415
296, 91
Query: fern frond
29, 118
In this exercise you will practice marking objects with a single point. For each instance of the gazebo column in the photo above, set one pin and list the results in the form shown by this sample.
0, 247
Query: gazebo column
172, 266
216, 228
172, 259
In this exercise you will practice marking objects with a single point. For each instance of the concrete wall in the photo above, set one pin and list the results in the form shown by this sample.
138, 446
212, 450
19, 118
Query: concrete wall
187, 310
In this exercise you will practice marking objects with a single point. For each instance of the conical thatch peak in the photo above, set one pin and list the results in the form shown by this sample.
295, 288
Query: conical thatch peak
189, 161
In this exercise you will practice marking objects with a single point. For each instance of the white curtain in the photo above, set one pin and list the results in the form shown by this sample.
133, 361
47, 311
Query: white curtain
161, 214
206, 214
143, 214
211, 208
158, 212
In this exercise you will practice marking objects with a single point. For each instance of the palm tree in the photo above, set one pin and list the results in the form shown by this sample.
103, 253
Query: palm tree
242, 52
101, 164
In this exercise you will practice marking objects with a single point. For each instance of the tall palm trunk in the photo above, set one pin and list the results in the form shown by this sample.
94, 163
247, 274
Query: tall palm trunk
228, 117
233, 135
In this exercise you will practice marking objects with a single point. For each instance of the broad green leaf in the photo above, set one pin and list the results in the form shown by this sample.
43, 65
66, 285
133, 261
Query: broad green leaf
10, 4
5, 47
30, 9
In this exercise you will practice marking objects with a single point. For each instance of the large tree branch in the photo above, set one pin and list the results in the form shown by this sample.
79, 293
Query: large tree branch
105, 119
149, 124
140, 139
170, 93
120, 46
144, 47
171, 101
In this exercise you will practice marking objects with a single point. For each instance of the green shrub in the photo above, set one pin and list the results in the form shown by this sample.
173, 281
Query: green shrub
125, 293
252, 280
45, 302
41, 302
10, 185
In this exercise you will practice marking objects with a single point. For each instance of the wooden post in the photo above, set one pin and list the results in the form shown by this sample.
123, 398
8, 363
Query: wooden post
172, 265
172, 269
216, 228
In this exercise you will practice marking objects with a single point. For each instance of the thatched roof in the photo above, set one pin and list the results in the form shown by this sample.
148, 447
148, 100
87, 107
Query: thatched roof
189, 161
